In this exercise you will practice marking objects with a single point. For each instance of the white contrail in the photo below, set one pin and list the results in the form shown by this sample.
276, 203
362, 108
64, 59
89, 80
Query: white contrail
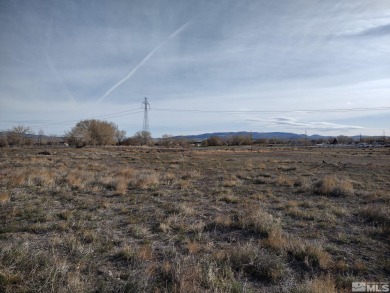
55, 72
49, 31
50, 63
143, 61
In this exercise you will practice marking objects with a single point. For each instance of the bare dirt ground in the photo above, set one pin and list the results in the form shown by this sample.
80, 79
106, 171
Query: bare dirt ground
201, 220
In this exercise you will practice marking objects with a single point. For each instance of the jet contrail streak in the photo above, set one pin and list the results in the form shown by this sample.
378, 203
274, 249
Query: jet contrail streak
55, 72
50, 63
49, 31
143, 61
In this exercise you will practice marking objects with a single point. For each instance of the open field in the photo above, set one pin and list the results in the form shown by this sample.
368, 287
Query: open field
202, 220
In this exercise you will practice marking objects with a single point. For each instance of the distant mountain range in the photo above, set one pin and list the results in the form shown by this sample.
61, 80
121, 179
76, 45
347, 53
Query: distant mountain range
35, 137
255, 135
203, 136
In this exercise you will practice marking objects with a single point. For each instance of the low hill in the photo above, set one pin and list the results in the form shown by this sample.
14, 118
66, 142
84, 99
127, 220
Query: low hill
255, 135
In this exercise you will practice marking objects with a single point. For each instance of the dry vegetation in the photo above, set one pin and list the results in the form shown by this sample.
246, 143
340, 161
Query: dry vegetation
204, 220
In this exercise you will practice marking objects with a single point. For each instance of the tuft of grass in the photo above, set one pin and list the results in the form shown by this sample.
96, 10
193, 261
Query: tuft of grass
42, 177
257, 220
147, 179
360, 266
145, 252
126, 253
229, 198
127, 172
76, 179
121, 185
223, 221
297, 213
195, 273
183, 184
190, 174
276, 240
313, 256
16, 178
376, 214
332, 185
139, 231
168, 177
4, 197
186, 209
282, 180
303, 184
194, 247
88, 236
230, 181
257, 263
164, 227
65, 215
322, 284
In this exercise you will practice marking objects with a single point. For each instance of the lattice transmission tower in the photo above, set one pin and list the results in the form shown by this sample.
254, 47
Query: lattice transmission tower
146, 104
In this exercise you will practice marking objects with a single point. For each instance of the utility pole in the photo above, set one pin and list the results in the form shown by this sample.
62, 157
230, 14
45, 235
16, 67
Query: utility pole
146, 104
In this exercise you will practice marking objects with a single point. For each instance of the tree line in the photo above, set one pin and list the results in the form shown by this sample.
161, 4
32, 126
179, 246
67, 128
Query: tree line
93, 132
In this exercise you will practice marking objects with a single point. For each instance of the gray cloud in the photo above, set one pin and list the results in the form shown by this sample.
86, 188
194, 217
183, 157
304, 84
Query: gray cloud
291, 123
378, 31
235, 54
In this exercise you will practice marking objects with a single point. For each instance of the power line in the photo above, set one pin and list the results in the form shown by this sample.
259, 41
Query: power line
275, 111
112, 115
147, 107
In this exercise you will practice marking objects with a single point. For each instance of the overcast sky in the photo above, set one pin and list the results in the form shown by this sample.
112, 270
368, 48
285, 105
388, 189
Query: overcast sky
67, 60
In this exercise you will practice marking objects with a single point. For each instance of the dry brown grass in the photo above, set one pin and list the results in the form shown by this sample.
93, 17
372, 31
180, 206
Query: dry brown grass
332, 185
312, 255
168, 177
17, 178
127, 172
230, 198
183, 184
194, 247
121, 185
276, 240
39, 272
230, 181
257, 219
256, 262
77, 179
224, 221
208, 220
146, 179
322, 284
378, 215
283, 180
4, 197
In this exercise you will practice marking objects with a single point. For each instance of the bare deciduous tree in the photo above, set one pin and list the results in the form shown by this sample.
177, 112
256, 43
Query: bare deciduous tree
92, 132
120, 135
143, 137
18, 135
213, 141
166, 140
